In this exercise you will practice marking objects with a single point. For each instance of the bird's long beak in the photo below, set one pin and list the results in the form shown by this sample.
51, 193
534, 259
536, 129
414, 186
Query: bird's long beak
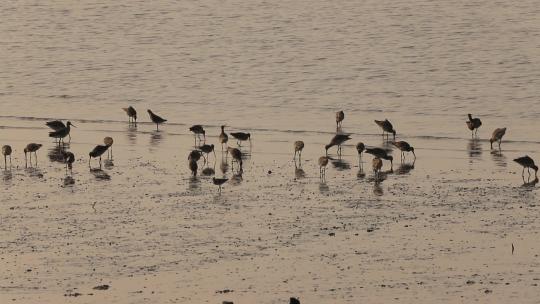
73, 125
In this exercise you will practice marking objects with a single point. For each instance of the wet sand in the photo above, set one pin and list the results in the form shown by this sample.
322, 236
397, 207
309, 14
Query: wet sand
438, 230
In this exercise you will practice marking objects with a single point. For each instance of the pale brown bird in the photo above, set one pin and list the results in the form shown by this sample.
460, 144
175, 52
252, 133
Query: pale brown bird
497, 136
108, 141
236, 155
387, 127
473, 124
6, 151
340, 116
377, 165
404, 146
223, 137
31, 147
323, 161
131, 113
298, 147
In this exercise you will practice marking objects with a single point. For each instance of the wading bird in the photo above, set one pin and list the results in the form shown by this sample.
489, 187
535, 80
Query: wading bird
69, 159
108, 141
156, 119
337, 140
131, 113
360, 147
298, 147
387, 127
197, 131
340, 116
381, 153
193, 167
236, 155
97, 152
323, 161
241, 136
223, 138
194, 155
32, 147
56, 125
377, 165
497, 136
219, 182
60, 134
207, 149
528, 163
473, 124
404, 146
6, 151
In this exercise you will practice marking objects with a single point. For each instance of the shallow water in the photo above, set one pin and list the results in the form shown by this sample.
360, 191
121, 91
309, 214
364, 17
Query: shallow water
436, 230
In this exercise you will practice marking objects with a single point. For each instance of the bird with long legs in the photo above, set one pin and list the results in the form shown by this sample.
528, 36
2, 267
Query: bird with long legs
207, 149
241, 136
473, 124
69, 159
108, 141
340, 116
156, 119
236, 155
323, 162
223, 137
197, 131
337, 140
6, 151
377, 166
219, 182
97, 152
29, 149
497, 136
387, 127
298, 147
382, 154
404, 146
360, 148
527, 163
132, 114
57, 125
62, 133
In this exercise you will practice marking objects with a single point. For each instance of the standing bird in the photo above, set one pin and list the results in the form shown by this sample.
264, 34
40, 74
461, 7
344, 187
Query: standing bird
360, 147
340, 116
323, 161
241, 136
298, 147
381, 153
108, 141
219, 182
236, 155
207, 149
69, 159
60, 134
197, 131
497, 136
156, 119
97, 152
31, 147
6, 151
473, 124
337, 140
193, 167
377, 165
528, 163
223, 138
404, 146
387, 127
131, 113
56, 125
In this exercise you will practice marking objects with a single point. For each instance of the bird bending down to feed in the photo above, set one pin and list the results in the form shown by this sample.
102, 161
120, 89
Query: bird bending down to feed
340, 116
377, 165
381, 153
207, 149
194, 155
219, 182
156, 119
32, 147
473, 124
236, 155
193, 167
69, 159
323, 161
360, 147
223, 138
528, 163
387, 127
131, 113
497, 136
337, 140
6, 151
60, 134
108, 141
241, 136
197, 131
298, 147
97, 152
404, 146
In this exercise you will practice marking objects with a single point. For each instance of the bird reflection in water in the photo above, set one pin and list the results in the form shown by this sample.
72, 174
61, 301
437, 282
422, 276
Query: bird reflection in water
360, 174
529, 183
207, 171
155, 138
340, 164
323, 187
498, 158
132, 134
69, 181
237, 178
55, 154
377, 189
298, 171
474, 148
405, 168
100, 174
108, 164
34, 172
224, 166
8, 175
194, 183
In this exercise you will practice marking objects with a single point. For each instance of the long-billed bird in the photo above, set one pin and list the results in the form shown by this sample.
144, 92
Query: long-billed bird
377, 165
387, 127
55, 125
381, 153
404, 146
473, 124
108, 141
197, 131
337, 140
6, 151
223, 137
60, 134
298, 147
241, 136
207, 149
528, 163
156, 119
497, 136
219, 182
236, 155
194, 155
323, 162
131, 113
31, 147
69, 159
97, 152
340, 116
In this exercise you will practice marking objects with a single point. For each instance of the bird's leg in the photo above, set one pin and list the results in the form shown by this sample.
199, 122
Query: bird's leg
35, 153
500, 141
89, 158
523, 173
100, 161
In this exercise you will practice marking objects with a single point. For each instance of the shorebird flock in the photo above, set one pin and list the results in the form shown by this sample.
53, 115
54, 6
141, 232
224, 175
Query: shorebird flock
61, 131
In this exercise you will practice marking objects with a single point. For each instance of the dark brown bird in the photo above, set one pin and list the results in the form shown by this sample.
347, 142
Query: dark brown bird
360, 147
387, 127
241, 136
97, 152
6, 151
236, 155
298, 147
381, 153
131, 113
193, 167
156, 119
194, 155
56, 125
294, 301
404, 146
31, 147
223, 138
337, 140
69, 159
219, 182
528, 163
340, 116
473, 124
497, 136
60, 134
207, 149
198, 130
